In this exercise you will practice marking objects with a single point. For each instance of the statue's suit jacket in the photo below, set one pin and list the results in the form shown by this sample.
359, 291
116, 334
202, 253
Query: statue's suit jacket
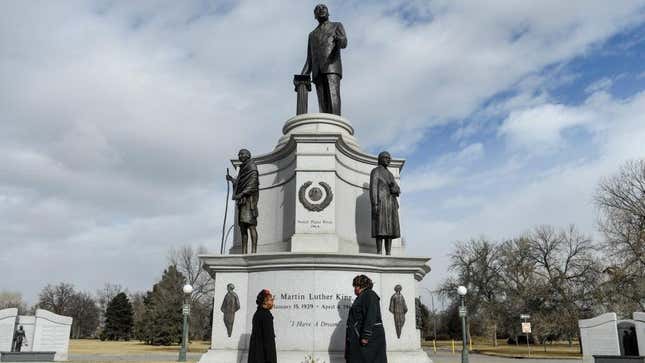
323, 54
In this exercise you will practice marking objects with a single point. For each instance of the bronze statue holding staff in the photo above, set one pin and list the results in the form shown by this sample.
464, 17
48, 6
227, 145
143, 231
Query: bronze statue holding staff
246, 191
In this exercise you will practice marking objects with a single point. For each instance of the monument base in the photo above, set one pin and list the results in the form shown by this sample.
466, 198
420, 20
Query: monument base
28, 357
241, 356
313, 293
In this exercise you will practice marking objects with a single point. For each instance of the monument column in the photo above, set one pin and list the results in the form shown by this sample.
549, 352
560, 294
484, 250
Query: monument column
315, 212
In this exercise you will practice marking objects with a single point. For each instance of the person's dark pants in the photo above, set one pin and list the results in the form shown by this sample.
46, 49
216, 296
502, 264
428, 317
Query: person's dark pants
328, 91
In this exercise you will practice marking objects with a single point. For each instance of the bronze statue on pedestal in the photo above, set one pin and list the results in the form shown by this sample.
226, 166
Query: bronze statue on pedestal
385, 207
323, 60
246, 191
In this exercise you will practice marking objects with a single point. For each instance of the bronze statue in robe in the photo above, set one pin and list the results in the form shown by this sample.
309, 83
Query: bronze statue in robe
246, 192
398, 308
230, 305
323, 60
385, 207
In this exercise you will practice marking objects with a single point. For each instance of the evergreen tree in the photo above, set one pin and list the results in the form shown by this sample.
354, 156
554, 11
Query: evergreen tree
161, 321
118, 319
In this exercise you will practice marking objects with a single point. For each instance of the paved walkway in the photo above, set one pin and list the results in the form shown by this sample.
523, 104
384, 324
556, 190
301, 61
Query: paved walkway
447, 357
439, 357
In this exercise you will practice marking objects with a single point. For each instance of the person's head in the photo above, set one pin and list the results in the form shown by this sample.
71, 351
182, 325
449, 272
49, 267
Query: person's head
361, 283
384, 158
230, 287
265, 299
20, 328
321, 13
244, 155
397, 288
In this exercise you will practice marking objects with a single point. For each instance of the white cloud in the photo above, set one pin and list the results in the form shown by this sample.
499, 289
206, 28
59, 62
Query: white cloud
602, 84
541, 127
117, 118
559, 194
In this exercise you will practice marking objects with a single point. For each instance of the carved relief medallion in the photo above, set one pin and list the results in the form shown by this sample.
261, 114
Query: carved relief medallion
315, 197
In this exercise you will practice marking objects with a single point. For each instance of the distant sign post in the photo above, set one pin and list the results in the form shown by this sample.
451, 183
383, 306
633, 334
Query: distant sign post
526, 329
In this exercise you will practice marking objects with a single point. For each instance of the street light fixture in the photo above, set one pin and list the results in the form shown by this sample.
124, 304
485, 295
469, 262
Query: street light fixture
186, 312
462, 291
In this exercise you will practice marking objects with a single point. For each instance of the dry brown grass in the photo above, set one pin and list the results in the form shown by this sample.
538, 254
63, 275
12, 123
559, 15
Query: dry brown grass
90, 346
555, 350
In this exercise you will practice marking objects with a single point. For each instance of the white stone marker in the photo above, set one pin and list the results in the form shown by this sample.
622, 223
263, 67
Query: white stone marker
7, 327
51, 333
639, 323
599, 336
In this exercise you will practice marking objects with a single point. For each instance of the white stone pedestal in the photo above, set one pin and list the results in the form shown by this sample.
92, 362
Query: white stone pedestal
313, 293
314, 228
314, 190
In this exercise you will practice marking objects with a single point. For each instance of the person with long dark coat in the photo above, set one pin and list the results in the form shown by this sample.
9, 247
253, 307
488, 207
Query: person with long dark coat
385, 207
262, 345
365, 336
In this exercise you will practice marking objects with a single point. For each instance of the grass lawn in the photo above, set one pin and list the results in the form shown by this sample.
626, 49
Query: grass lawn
132, 348
555, 350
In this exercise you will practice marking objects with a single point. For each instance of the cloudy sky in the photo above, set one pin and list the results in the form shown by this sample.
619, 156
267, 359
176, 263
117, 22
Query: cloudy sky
117, 119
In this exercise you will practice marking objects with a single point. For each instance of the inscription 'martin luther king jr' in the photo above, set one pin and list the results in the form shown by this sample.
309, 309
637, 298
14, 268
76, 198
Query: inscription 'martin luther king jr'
323, 60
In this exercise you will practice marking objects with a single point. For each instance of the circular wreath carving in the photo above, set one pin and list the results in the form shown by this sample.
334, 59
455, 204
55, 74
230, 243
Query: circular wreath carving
315, 207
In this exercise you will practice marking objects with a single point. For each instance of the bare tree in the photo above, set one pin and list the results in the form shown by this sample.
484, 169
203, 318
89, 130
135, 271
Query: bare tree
551, 272
475, 263
187, 262
63, 299
565, 263
106, 294
10, 299
621, 203
83, 309
519, 283
56, 299
103, 298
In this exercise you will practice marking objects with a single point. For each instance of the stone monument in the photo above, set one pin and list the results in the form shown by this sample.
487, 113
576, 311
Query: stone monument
46, 335
7, 327
606, 339
639, 323
599, 336
314, 221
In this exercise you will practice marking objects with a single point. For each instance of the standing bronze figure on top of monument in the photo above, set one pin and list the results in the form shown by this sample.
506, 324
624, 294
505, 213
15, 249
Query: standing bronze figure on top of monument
323, 60
385, 207
246, 192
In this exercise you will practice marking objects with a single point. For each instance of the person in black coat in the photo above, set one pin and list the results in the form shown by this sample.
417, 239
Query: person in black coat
262, 345
365, 336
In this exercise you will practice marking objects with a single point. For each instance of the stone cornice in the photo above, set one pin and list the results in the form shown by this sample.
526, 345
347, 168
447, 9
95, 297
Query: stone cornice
337, 139
315, 261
